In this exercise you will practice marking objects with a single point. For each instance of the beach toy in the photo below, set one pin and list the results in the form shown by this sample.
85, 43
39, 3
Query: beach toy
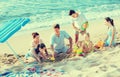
75, 49
84, 26
79, 51
52, 58
99, 44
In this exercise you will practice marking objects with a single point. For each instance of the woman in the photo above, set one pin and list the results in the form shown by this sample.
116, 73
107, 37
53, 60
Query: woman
38, 50
110, 39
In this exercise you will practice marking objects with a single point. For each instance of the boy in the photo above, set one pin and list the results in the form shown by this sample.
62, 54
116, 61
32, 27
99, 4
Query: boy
79, 23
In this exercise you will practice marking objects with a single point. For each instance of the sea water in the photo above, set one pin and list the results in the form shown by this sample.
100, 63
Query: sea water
44, 13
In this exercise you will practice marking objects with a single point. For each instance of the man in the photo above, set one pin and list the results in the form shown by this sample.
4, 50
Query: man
79, 23
57, 41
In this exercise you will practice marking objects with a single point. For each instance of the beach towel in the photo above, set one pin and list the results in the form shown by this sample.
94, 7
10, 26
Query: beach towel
36, 71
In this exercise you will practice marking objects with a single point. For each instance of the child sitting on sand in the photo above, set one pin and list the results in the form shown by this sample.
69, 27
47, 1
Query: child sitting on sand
87, 44
38, 50
83, 47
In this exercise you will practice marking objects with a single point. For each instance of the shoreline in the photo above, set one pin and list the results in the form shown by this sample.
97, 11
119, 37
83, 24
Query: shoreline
41, 28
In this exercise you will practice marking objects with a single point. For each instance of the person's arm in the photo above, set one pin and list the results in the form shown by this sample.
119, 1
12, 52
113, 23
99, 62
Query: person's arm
76, 27
106, 38
70, 42
90, 46
52, 49
113, 34
42, 53
35, 55
41, 41
52, 45
67, 36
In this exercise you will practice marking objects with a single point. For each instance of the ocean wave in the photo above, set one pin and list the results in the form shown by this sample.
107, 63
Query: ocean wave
45, 13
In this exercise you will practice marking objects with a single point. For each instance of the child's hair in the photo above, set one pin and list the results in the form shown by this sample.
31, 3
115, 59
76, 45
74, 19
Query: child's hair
56, 26
71, 12
34, 34
108, 19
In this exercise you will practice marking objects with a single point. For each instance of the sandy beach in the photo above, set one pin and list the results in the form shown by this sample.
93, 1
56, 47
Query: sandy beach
97, 64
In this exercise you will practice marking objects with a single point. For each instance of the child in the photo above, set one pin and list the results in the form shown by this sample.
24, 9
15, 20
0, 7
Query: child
38, 49
79, 23
83, 47
87, 44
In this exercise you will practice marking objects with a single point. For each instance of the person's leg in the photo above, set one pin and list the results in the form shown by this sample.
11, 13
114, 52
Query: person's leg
66, 50
55, 54
106, 44
90, 47
76, 36
43, 46
29, 57
28, 54
32, 53
59, 51
85, 48
42, 53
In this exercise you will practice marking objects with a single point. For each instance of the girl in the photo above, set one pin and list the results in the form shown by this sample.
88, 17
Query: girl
38, 49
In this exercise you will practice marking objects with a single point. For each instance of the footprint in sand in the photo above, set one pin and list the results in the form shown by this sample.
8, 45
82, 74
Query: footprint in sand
115, 73
59, 64
103, 68
80, 75
118, 69
113, 66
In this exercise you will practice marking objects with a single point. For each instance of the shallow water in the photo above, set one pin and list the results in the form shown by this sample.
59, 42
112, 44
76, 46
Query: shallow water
45, 13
